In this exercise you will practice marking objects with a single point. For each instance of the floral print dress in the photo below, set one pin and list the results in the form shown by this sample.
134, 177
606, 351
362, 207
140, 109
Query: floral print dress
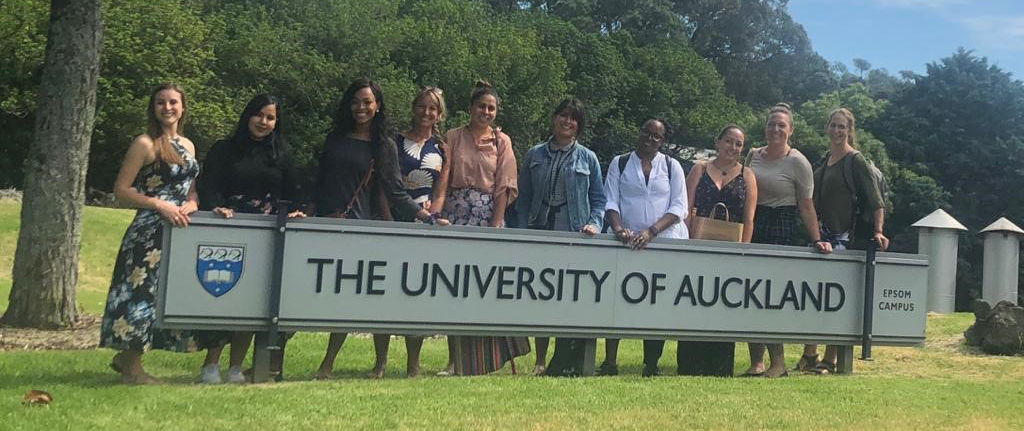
131, 304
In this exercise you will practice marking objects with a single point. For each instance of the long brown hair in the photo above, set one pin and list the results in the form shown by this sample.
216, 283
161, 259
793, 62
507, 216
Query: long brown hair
161, 143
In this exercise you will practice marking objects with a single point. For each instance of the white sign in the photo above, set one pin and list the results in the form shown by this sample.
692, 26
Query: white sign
403, 277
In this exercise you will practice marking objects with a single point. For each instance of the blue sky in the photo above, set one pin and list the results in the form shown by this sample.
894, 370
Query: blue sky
907, 34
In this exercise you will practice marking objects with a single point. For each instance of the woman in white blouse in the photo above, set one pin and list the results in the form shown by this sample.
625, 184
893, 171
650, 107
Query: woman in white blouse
646, 199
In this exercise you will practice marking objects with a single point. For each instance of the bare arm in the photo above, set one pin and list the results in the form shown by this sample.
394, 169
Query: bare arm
810, 219
750, 205
883, 242
441, 186
691, 190
500, 203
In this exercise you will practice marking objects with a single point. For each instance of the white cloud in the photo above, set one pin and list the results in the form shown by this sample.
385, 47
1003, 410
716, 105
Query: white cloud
997, 32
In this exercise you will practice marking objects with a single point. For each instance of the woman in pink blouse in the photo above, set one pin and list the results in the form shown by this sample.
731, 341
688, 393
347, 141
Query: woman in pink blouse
477, 183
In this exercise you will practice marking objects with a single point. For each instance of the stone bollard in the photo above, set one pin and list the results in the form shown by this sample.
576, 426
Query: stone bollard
938, 237
1002, 258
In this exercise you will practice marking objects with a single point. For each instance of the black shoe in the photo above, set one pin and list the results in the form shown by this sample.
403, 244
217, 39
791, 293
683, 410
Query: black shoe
650, 371
607, 369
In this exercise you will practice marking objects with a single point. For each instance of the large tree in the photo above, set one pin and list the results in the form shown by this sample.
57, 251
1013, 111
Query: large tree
46, 260
962, 124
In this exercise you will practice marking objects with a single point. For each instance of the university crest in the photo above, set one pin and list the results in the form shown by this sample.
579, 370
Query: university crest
219, 267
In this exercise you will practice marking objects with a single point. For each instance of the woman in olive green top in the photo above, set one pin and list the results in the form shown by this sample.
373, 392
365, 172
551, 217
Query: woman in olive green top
841, 184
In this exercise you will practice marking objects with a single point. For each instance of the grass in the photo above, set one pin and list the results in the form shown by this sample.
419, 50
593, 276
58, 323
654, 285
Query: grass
942, 385
102, 229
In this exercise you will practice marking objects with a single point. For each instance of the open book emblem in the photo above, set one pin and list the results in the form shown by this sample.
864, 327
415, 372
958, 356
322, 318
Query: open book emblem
219, 267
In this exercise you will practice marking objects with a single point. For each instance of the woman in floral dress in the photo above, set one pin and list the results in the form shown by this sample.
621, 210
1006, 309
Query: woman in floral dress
157, 178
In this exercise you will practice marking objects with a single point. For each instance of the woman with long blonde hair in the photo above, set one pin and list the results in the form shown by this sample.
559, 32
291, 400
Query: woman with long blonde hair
157, 178
420, 158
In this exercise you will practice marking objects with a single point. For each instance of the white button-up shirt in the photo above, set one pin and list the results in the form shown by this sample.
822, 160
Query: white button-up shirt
640, 203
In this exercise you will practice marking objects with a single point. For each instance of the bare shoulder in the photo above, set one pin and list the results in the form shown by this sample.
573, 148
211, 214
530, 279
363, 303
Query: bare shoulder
142, 149
143, 141
698, 168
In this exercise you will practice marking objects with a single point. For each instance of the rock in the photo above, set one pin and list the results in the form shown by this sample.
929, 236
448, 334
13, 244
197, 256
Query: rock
997, 330
981, 308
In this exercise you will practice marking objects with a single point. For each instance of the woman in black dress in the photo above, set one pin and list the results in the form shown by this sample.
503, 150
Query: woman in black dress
247, 173
359, 159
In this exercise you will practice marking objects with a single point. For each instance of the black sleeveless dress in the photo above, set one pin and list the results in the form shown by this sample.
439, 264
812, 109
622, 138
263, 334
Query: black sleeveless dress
733, 194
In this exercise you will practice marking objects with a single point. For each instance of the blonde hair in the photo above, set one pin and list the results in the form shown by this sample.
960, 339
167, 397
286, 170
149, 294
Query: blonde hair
162, 143
851, 134
442, 110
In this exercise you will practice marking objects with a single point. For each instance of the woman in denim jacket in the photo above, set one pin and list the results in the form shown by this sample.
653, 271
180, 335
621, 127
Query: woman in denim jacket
560, 189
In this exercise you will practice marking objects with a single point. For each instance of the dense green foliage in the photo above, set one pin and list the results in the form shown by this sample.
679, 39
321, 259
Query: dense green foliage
949, 137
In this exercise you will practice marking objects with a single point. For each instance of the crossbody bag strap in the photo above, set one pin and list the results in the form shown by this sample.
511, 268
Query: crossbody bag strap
355, 195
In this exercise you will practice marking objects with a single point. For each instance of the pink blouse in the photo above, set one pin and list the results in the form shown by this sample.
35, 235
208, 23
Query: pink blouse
483, 165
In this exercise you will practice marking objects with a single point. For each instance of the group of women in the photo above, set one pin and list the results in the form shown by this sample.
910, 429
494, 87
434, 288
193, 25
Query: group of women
467, 176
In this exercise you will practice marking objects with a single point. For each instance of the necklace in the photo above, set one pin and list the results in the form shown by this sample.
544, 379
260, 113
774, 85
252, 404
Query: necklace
725, 171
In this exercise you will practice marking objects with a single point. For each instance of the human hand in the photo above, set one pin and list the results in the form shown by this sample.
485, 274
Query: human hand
296, 214
589, 230
624, 235
442, 222
190, 206
171, 213
425, 205
224, 212
883, 242
823, 247
640, 239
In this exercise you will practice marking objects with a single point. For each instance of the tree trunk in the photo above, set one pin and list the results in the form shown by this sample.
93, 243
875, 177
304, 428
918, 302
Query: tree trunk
46, 260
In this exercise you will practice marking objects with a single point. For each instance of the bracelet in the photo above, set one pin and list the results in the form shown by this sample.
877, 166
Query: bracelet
653, 231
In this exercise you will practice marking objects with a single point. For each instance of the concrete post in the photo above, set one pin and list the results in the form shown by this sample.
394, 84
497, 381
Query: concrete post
938, 237
1002, 258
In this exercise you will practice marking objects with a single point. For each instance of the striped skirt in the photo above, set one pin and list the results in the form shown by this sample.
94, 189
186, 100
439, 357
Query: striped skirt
477, 355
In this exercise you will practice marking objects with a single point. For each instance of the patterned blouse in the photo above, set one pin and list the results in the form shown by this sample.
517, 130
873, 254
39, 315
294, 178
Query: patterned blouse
420, 166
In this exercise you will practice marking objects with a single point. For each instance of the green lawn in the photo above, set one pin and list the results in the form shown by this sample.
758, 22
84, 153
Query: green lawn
942, 385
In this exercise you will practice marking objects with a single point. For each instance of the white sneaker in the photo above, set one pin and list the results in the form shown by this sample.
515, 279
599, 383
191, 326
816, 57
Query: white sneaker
210, 374
235, 375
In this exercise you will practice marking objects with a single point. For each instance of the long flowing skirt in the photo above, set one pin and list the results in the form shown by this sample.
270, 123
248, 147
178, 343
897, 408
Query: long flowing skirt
475, 355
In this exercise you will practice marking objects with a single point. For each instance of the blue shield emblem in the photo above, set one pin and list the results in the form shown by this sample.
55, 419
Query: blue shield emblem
219, 267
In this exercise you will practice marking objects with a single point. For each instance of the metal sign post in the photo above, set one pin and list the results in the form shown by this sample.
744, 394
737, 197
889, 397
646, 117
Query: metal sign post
869, 299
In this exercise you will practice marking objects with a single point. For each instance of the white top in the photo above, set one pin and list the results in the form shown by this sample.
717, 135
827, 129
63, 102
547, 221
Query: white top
641, 203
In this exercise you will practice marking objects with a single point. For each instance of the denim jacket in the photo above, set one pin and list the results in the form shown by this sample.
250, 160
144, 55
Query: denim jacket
584, 191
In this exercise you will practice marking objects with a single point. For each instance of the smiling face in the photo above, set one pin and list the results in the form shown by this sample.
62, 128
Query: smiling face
730, 145
778, 128
168, 107
364, 106
262, 123
484, 110
838, 129
564, 126
426, 112
652, 135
